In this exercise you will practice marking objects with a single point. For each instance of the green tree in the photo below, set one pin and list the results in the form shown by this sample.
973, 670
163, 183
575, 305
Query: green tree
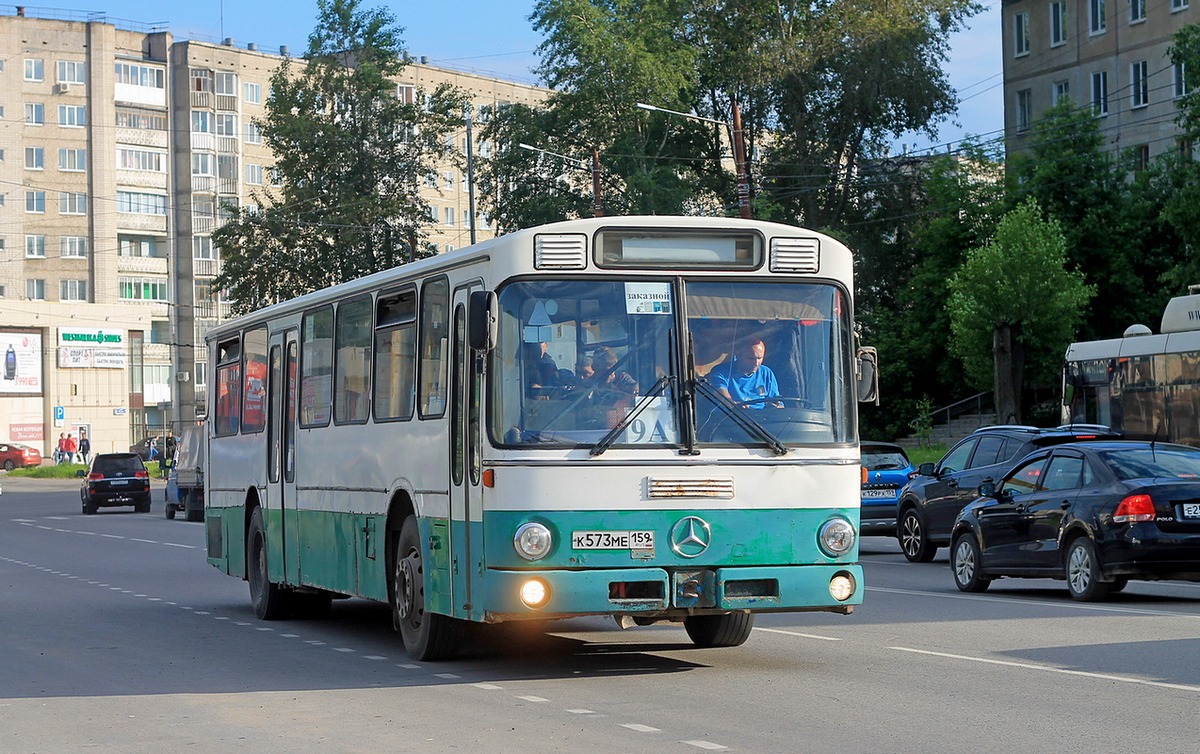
1014, 303
350, 157
1179, 177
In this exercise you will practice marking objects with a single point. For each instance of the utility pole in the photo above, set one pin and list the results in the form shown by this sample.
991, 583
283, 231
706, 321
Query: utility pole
597, 202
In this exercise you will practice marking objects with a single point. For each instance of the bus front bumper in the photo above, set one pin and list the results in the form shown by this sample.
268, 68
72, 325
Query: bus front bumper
658, 592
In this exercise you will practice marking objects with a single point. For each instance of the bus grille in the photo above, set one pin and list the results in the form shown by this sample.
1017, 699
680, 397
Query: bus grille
716, 487
795, 255
560, 252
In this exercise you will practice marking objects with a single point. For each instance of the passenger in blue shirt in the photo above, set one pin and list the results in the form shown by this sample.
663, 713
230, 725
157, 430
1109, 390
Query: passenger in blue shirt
747, 379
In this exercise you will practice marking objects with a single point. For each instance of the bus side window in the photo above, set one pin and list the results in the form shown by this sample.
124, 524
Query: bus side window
435, 314
229, 387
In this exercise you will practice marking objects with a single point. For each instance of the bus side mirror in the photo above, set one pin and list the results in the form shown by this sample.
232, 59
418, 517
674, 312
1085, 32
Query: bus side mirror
483, 318
867, 374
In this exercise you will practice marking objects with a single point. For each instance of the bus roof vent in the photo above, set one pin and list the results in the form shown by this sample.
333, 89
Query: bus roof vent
795, 254
718, 487
560, 251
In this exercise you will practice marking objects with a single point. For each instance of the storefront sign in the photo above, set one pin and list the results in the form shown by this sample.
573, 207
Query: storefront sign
91, 349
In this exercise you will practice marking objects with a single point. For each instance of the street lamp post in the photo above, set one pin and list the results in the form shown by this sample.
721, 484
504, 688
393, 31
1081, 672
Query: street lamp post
597, 204
739, 149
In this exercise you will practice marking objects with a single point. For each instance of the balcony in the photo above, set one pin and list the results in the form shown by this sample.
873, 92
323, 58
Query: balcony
202, 99
227, 102
205, 141
206, 267
206, 184
143, 224
142, 137
227, 144
154, 265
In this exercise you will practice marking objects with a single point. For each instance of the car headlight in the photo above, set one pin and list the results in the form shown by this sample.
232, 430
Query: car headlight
836, 537
533, 541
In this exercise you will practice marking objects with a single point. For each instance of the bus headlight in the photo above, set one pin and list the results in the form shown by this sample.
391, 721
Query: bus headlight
841, 586
836, 537
533, 541
535, 593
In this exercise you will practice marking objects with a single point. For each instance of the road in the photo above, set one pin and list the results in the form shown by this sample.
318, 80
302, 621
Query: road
116, 636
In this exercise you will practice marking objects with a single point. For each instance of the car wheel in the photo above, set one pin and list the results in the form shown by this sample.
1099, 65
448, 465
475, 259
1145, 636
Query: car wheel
170, 512
1083, 571
142, 507
426, 635
89, 508
966, 563
9, 465
913, 542
729, 630
270, 600
193, 507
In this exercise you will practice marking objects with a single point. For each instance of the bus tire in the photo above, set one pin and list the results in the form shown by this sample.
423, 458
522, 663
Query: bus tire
729, 630
270, 600
426, 635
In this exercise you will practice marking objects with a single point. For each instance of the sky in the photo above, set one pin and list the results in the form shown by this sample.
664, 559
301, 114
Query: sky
495, 38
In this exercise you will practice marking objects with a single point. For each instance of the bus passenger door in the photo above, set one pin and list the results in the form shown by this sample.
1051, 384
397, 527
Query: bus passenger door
281, 451
466, 519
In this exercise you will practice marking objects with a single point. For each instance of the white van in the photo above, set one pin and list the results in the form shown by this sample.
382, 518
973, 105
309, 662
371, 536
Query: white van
185, 487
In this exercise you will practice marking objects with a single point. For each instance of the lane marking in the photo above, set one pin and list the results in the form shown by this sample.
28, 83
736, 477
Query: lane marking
1049, 669
705, 745
1072, 604
640, 728
797, 633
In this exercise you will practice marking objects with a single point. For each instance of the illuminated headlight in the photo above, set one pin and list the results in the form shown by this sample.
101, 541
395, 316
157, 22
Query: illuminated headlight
836, 537
841, 586
535, 593
533, 541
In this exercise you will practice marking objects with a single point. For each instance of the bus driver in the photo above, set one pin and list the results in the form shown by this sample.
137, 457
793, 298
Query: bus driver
747, 378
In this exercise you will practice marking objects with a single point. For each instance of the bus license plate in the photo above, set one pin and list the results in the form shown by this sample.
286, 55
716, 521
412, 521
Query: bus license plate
612, 540
1191, 510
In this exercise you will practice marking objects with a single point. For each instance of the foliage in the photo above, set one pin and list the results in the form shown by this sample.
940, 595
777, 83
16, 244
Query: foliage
1019, 283
350, 155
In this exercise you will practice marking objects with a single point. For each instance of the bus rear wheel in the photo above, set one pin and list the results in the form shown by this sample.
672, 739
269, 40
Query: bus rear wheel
426, 635
729, 630
271, 601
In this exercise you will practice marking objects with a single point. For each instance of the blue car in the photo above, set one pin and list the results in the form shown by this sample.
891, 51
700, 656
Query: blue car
886, 468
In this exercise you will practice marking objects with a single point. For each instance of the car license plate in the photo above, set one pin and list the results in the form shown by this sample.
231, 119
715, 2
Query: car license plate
1191, 510
874, 494
612, 540
118, 482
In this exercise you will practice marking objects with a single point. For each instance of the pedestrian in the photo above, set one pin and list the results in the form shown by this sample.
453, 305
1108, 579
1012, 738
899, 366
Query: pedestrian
85, 446
70, 447
61, 450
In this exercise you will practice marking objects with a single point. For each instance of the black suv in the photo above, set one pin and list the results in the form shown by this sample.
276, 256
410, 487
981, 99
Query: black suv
115, 479
932, 499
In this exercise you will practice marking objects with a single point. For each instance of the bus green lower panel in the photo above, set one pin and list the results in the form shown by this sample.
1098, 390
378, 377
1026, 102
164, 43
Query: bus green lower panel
655, 590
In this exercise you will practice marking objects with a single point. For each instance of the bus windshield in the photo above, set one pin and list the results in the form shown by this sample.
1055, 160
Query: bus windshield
759, 363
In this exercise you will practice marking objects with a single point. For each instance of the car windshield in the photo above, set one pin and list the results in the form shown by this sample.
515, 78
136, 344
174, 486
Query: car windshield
882, 460
757, 363
1153, 462
118, 464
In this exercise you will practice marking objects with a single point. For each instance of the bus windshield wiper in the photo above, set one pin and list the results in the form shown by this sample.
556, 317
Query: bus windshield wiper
740, 417
611, 436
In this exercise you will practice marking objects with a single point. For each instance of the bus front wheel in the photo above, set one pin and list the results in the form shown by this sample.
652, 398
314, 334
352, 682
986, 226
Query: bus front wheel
729, 630
270, 600
426, 635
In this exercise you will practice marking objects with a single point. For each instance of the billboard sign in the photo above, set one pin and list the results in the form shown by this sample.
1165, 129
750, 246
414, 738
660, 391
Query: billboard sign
22, 369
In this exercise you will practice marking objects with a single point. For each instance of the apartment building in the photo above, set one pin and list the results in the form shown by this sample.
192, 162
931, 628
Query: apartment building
1106, 55
122, 148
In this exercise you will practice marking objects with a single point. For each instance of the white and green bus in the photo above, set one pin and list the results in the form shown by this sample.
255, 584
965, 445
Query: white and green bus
543, 426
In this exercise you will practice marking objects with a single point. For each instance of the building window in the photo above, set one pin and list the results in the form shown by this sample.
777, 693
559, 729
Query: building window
448, 216
1058, 24
35, 247
72, 160
252, 93
1024, 110
227, 125
202, 122
72, 116
143, 289
71, 203
202, 248
1062, 91
35, 290
1177, 5
144, 120
72, 290
132, 74
201, 80
448, 181
35, 113
1021, 34
142, 159
137, 246
254, 174
227, 84
253, 133
140, 203
35, 201
35, 69
1179, 80
71, 72
73, 247
1100, 93
35, 158
1097, 22
204, 163
1138, 85
1137, 11
1142, 157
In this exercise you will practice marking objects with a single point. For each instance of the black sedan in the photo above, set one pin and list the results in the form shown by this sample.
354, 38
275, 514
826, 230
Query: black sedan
1096, 514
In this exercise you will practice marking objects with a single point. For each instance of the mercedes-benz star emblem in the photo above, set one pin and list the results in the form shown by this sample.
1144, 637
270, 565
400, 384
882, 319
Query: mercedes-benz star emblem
690, 536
